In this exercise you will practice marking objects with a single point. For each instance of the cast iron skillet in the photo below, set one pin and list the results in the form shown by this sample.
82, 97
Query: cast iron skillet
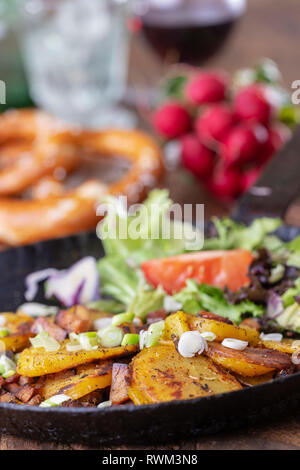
166, 421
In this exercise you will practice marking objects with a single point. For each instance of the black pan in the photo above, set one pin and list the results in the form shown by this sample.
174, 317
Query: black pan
166, 421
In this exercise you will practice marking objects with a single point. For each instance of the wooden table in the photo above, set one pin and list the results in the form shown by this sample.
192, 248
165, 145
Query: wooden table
269, 29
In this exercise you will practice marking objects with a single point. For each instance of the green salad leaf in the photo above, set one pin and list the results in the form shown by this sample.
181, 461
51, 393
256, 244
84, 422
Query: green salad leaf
232, 234
195, 297
288, 297
146, 301
140, 236
118, 280
121, 277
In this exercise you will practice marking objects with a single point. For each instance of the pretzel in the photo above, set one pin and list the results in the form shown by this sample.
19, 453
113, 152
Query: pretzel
56, 212
25, 127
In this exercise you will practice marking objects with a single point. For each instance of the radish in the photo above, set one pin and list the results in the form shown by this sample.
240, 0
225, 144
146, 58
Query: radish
206, 88
214, 124
250, 104
172, 120
196, 157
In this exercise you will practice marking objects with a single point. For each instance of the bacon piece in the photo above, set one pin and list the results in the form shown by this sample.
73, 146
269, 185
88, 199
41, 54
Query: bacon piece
214, 316
35, 401
77, 319
25, 393
251, 322
8, 398
12, 388
47, 325
24, 328
158, 315
119, 384
26, 380
13, 379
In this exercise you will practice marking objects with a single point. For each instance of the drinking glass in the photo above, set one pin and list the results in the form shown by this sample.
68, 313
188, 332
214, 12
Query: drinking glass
76, 54
188, 30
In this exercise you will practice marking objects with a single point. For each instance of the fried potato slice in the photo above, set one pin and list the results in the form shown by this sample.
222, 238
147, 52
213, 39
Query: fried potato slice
175, 325
19, 326
179, 322
34, 362
160, 373
257, 380
87, 379
287, 345
224, 330
250, 362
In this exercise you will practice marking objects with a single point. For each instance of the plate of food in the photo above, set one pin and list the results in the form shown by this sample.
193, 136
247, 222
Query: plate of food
142, 340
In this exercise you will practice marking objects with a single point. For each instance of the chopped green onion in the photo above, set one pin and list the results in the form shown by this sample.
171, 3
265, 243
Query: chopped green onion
102, 322
83, 341
154, 332
88, 340
43, 340
104, 404
110, 337
73, 347
130, 338
56, 400
4, 332
7, 366
208, 335
122, 318
9, 373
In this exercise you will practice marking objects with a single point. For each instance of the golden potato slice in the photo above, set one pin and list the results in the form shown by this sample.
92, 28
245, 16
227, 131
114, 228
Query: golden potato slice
160, 374
175, 325
87, 379
179, 322
252, 381
36, 361
224, 330
14, 343
250, 362
287, 345
19, 326
17, 321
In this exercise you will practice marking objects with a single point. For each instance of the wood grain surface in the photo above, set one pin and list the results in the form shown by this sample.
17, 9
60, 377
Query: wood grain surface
269, 29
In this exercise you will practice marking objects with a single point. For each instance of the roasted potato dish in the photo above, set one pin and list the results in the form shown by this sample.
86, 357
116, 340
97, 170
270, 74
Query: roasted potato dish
172, 357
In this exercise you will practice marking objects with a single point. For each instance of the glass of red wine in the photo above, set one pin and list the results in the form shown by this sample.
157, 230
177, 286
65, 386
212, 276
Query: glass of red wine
189, 31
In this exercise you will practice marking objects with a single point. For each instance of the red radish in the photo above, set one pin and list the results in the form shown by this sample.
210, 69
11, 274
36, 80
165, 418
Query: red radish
214, 124
250, 104
249, 178
172, 120
206, 88
226, 183
241, 145
277, 136
195, 156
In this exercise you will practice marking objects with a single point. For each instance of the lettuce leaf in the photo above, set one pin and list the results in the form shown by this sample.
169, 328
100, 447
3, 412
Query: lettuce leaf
139, 237
147, 301
119, 270
289, 295
118, 280
196, 297
233, 235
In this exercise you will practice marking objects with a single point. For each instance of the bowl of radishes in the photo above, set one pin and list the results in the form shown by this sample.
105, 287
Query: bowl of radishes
226, 128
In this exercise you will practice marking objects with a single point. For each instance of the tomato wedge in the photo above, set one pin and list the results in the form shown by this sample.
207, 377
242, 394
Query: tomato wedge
217, 268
